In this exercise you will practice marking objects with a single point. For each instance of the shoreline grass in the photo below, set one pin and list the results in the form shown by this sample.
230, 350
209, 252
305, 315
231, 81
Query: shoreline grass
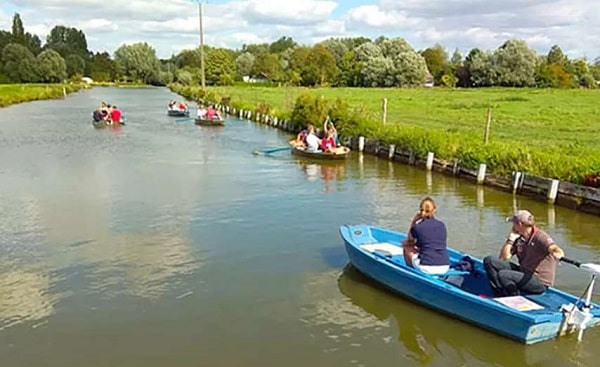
18, 93
546, 132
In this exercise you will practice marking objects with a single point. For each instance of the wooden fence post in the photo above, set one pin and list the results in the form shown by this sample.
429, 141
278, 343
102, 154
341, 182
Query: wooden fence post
486, 135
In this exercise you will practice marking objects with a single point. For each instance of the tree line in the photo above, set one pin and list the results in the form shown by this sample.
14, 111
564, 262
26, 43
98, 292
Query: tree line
336, 62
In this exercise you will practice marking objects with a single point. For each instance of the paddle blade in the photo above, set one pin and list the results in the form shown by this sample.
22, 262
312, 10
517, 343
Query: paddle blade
591, 268
269, 151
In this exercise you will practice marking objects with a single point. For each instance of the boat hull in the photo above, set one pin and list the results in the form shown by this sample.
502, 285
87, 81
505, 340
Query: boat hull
340, 154
470, 301
209, 122
178, 113
104, 124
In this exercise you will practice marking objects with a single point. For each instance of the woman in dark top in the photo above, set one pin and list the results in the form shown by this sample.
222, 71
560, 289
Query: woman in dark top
425, 248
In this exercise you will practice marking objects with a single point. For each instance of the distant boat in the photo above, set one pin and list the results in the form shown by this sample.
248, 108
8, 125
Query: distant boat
178, 113
209, 122
466, 295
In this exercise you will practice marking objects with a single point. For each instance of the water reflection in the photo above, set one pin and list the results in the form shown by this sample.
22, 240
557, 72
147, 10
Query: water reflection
430, 338
25, 296
329, 174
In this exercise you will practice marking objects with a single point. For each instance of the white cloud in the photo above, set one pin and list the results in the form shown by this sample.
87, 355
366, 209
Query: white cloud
291, 12
464, 24
375, 17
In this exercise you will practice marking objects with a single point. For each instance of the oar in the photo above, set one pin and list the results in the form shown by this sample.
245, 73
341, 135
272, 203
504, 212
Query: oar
184, 119
272, 150
583, 314
589, 267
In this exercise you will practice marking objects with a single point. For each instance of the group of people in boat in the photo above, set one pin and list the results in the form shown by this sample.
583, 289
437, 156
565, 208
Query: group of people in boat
209, 113
108, 113
177, 106
308, 139
425, 249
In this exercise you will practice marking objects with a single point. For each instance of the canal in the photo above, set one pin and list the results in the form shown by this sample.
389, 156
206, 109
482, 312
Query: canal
163, 243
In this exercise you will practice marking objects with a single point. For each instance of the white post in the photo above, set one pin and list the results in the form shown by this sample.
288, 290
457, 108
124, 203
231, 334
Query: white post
516, 181
392, 151
361, 143
249, 115
553, 191
241, 113
429, 161
455, 168
275, 122
481, 173
65, 91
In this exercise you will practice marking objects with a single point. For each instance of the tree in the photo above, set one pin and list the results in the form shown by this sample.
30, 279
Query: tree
556, 56
256, 49
220, 66
268, 64
297, 59
515, 63
320, 67
337, 48
436, 59
5, 39
189, 58
353, 42
391, 62
67, 41
101, 67
34, 44
350, 71
281, 45
137, 61
20, 65
367, 51
18, 32
480, 69
75, 65
457, 59
51, 67
244, 63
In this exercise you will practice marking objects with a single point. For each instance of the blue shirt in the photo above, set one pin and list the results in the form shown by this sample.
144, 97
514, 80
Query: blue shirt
430, 235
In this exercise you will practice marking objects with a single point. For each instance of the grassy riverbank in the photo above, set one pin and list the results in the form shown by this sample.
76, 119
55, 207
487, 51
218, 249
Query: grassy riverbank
546, 132
18, 93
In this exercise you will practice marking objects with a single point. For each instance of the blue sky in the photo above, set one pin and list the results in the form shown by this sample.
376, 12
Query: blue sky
172, 25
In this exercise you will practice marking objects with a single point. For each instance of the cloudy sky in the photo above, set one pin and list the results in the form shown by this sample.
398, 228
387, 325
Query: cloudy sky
172, 25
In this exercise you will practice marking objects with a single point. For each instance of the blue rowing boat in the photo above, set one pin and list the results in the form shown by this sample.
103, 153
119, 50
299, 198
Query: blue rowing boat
466, 295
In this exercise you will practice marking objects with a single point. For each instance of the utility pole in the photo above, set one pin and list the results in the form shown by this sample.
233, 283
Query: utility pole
201, 44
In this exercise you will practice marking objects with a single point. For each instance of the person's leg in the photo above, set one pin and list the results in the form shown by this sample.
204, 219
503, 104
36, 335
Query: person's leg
516, 282
493, 265
409, 251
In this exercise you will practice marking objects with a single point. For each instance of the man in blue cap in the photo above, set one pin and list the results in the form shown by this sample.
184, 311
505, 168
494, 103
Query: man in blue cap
537, 254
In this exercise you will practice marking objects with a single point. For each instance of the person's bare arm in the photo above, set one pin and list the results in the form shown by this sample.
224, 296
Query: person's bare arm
506, 250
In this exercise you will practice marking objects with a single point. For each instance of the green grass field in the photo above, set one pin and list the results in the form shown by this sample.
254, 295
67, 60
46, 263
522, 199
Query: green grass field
537, 117
18, 93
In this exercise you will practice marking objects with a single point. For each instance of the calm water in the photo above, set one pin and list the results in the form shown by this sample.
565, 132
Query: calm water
168, 244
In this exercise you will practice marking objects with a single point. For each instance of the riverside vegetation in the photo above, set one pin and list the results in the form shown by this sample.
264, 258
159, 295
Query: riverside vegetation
546, 132
18, 93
